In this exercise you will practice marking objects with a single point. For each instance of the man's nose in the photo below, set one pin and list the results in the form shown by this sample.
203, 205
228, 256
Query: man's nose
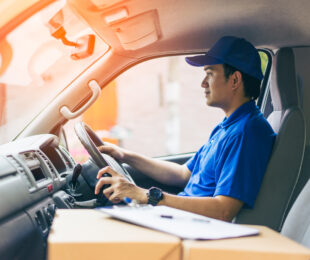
204, 83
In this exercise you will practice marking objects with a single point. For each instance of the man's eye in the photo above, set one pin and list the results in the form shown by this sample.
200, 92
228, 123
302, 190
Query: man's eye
209, 74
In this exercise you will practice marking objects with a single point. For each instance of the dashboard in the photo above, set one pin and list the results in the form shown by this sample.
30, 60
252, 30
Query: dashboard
37, 176
37, 165
33, 175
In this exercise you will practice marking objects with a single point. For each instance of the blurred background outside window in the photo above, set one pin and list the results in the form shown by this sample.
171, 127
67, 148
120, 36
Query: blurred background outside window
156, 108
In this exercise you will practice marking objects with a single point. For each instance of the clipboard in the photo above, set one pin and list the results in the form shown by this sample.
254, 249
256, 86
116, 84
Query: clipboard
183, 224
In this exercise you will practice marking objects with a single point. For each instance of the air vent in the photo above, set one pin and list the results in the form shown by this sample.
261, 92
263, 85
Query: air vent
20, 169
48, 163
70, 163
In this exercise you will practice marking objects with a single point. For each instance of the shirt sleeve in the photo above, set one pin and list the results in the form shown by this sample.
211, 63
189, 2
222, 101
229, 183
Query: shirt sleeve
242, 165
193, 160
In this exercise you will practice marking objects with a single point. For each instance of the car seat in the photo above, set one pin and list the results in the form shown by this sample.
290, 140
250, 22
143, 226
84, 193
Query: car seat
297, 223
284, 166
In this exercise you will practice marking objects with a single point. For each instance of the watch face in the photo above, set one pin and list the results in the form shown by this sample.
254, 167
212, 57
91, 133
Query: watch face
156, 194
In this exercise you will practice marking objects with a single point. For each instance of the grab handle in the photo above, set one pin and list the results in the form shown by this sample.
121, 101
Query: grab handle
93, 85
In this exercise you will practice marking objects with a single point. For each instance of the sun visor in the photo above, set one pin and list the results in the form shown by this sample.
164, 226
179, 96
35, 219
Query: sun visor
138, 31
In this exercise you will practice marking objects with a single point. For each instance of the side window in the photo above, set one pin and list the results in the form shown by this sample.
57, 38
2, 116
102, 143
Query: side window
264, 101
264, 57
162, 108
156, 108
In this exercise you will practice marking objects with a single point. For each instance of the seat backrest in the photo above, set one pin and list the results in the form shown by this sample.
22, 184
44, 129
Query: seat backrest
297, 223
284, 166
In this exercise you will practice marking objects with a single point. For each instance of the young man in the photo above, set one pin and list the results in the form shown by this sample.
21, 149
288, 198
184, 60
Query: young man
226, 173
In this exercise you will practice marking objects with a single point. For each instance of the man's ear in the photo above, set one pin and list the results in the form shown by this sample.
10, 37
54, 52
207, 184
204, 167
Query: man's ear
236, 80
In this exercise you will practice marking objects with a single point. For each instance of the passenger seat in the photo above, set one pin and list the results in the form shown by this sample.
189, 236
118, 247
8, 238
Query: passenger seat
297, 223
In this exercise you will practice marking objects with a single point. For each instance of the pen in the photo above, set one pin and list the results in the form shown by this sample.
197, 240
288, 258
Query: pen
192, 219
127, 200
130, 202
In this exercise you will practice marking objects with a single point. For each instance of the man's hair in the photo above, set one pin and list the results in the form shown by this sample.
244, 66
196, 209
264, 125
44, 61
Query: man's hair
251, 84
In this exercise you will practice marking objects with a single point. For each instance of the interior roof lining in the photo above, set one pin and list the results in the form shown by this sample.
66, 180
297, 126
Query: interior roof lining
287, 23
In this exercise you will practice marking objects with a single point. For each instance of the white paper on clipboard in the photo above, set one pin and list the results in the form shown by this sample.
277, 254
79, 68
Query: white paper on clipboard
183, 224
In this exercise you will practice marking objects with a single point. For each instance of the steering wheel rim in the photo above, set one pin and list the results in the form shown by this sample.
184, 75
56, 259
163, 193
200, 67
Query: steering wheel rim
90, 141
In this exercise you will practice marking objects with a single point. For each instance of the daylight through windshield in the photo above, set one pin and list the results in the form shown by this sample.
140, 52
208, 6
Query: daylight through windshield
36, 64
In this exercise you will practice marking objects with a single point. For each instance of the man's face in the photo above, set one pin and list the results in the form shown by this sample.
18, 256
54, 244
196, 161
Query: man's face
217, 88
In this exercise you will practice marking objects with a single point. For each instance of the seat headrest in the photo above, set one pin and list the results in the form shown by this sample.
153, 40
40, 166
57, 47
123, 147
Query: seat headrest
283, 85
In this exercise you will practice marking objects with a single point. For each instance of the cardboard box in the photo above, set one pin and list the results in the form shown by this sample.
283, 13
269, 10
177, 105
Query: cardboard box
267, 245
89, 234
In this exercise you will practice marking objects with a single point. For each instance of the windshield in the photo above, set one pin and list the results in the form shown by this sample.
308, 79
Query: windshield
35, 66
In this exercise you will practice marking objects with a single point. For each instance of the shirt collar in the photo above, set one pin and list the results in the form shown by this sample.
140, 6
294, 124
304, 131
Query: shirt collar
238, 113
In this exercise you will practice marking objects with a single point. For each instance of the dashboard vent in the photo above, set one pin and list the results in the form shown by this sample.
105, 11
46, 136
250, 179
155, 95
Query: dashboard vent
48, 163
20, 169
70, 163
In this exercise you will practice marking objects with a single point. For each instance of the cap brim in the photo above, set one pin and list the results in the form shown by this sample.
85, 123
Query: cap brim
202, 60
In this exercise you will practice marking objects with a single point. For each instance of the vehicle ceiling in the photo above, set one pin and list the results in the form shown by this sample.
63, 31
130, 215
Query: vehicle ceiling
193, 26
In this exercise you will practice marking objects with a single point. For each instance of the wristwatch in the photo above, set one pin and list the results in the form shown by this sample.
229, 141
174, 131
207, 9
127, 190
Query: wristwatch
154, 196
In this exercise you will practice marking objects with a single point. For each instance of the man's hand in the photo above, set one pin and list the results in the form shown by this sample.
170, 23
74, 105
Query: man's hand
113, 150
120, 187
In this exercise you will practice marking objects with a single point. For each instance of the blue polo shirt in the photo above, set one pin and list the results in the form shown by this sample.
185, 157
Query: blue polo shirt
234, 160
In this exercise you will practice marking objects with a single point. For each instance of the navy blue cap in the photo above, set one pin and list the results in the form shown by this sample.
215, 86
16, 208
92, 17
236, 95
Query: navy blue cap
236, 52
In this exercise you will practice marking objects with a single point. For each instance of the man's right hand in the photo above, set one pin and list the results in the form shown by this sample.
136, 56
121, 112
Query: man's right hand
113, 150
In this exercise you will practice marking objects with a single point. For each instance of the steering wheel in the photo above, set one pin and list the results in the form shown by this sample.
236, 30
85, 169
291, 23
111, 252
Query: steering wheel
91, 141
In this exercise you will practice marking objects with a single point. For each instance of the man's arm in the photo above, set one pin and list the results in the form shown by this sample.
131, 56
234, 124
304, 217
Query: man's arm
219, 207
162, 171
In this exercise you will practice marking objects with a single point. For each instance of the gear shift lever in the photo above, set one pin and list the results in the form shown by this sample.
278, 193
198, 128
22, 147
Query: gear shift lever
74, 181
76, 172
